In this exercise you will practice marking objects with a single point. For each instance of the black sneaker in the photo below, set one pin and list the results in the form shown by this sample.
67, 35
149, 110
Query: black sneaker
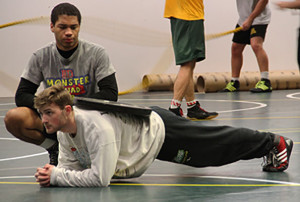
264, 85
177, 111
196, 113
53, 154
278, 158
232, 86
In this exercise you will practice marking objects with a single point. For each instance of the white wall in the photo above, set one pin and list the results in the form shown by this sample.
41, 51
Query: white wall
137, 37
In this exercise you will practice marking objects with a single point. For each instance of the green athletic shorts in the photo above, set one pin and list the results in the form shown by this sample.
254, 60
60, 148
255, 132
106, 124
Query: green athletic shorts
188, 40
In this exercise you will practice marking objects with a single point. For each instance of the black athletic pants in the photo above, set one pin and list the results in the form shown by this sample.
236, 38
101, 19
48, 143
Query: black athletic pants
192, 143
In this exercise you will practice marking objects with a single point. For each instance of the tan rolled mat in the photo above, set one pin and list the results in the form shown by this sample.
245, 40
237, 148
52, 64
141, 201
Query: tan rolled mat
162, 82
215, 81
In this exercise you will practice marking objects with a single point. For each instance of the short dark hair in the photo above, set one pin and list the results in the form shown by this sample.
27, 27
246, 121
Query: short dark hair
55, 94
65, 9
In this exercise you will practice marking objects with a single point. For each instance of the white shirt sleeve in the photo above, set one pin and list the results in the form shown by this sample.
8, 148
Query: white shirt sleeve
102, 150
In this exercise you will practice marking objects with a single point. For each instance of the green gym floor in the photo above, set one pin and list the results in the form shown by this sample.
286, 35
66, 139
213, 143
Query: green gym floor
278, 112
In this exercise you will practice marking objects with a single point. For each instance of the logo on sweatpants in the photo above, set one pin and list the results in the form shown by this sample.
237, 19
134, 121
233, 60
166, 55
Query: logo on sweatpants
182, 157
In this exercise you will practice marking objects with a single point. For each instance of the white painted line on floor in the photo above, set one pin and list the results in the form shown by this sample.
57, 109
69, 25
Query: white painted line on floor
7, 138
292, 96
222, 177
19, 157
17, 177
23, 157
3, 104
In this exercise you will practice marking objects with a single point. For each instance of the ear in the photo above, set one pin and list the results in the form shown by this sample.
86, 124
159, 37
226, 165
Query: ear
52, 27
68, 109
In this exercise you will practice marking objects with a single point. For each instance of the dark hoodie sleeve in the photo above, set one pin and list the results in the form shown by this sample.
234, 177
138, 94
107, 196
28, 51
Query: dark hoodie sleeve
108, 89
25, 93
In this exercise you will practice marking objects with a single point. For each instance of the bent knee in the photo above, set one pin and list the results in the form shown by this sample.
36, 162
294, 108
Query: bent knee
18, 116
256, 47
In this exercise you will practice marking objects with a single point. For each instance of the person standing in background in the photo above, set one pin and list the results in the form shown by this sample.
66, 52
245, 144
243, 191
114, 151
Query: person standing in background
254, 17
186, 19
292, 5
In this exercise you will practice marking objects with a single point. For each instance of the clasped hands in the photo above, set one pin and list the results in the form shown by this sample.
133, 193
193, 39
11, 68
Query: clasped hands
43, 175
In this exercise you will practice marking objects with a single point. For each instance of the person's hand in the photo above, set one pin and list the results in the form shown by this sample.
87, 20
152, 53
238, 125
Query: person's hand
247, 24
280, 4
43, 175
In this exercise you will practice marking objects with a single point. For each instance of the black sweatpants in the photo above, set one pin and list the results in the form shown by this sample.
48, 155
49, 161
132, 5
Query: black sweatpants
192, 143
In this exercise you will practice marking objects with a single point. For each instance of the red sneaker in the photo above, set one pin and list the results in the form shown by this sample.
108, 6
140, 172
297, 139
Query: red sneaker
278, 158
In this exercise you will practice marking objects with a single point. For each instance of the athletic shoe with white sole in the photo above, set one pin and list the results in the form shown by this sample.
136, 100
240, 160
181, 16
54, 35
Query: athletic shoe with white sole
278, 158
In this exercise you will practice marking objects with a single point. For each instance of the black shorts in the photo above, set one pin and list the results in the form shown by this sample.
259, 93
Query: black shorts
243, 37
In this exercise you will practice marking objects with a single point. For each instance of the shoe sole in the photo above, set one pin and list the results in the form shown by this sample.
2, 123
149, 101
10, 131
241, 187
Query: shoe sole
228, 91
207, 118
262, 91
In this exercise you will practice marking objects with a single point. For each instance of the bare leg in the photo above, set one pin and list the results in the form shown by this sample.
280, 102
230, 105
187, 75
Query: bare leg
236, 58
260, 53
182, 85
190, 92
24, 124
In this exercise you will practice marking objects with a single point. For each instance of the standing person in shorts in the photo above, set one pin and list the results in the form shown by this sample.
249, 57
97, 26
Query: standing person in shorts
292, 5
254, 17
186, 18
81, 67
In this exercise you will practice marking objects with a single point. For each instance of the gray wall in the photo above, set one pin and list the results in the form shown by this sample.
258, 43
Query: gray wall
137, 37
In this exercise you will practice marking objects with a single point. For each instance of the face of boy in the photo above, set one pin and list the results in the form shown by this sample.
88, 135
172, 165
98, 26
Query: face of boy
53, 118
66, 30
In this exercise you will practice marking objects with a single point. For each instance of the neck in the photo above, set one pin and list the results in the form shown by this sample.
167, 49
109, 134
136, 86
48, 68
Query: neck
70, 127
67, 53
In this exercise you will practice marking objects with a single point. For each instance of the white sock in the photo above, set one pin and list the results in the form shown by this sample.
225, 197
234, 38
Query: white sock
175, 104
190, 104
264, 75
48, 143
235, 78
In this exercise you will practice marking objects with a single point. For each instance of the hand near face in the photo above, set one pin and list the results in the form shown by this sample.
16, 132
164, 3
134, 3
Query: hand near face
43, 175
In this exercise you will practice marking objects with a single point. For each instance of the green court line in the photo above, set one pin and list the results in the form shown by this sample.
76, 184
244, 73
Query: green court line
176, 185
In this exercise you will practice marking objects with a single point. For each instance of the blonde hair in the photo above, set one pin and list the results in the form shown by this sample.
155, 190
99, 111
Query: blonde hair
56, 94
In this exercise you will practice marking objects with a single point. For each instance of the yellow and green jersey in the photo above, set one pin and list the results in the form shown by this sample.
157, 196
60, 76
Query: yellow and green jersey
184, 9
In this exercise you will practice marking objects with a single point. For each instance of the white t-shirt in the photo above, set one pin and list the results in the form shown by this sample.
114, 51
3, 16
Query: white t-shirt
245, 8
107, 146
79, 73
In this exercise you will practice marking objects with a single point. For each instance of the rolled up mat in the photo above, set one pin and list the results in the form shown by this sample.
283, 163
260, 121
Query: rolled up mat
215, 81
162, 82
280, 80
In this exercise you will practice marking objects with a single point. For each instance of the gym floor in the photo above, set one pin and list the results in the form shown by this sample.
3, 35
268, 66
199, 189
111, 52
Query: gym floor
277, 112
